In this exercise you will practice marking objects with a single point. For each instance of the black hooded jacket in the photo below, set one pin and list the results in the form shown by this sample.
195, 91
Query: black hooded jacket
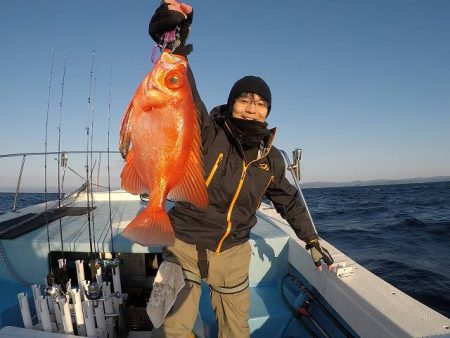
235, 188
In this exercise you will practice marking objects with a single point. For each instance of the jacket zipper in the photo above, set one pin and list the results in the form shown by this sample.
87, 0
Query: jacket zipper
264, 191
214, 169
230, 210
236, 194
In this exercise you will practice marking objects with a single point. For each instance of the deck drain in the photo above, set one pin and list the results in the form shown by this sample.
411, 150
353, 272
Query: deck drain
392, 293
446, 327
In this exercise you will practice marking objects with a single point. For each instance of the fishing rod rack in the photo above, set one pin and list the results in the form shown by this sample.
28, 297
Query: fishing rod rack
92, 309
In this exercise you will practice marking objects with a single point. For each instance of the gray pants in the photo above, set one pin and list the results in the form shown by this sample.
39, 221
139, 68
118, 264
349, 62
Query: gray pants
228, 269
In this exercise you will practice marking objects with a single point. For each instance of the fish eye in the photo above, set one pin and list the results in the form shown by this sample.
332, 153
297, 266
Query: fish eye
174, 80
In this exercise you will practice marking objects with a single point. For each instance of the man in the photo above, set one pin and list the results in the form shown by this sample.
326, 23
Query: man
241, 167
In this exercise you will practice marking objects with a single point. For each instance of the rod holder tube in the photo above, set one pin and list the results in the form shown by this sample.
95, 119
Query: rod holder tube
100, 315
45, 315
116, 304
61, 263
65, 314
51, 309
106, 289
88, 311
116, 279
79, 264
83, 287
58, 317
36, 294
25, 310
78, 307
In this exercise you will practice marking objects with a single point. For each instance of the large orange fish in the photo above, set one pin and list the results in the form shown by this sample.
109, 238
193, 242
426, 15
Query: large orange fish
160, 141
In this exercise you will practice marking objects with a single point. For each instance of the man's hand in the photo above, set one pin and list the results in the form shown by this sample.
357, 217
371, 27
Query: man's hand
167, 17
318, 253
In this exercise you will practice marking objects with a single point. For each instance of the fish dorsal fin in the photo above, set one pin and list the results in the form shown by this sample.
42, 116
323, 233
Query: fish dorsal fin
131, 181
191, 187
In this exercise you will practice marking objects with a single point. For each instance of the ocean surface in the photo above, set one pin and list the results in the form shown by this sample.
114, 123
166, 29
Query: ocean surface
399, 232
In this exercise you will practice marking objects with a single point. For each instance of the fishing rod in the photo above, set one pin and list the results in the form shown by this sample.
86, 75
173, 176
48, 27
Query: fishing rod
94, 289
58, 282
45, 152
109, 172
87, 159
93, 163
59, 156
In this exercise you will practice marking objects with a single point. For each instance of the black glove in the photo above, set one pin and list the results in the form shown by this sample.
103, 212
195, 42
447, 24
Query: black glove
318, 252
166, 20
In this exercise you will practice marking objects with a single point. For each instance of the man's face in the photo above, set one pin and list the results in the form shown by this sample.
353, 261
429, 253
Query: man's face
250, 106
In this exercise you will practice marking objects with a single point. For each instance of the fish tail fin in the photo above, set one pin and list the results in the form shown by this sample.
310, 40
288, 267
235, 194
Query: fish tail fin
151, 227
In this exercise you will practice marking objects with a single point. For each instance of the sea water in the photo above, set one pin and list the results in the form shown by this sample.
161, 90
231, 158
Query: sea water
399, 232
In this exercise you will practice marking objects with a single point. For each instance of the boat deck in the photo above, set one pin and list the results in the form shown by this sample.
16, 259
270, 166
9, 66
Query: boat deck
356, 304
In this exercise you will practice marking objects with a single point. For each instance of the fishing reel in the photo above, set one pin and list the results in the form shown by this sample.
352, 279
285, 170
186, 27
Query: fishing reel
94, 289
106, 266
57, 283
110, 263
94, 292
53, 291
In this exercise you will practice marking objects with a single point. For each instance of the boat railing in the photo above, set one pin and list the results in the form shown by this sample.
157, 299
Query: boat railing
114, 167
63, 161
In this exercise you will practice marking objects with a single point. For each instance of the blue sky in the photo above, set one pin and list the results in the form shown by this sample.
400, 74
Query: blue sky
362, 86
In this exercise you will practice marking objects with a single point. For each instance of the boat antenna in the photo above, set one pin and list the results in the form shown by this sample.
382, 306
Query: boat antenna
59, 155
109, 172
87, 158
45, 151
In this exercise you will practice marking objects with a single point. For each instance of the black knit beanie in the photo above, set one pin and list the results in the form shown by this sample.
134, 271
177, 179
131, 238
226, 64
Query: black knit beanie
250, 84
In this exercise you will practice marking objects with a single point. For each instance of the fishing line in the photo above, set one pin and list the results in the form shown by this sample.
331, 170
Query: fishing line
59, 155
87, 158
45, 156
109, 172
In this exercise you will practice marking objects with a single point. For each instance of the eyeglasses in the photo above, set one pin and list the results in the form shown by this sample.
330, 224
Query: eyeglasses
259, 104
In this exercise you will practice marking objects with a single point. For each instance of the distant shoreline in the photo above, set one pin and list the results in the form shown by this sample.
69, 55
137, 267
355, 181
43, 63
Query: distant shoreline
361, 183
307, 185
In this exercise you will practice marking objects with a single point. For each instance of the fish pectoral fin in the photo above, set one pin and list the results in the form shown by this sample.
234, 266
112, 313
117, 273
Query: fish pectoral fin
131, 181
125, 131
191, 187
151, 227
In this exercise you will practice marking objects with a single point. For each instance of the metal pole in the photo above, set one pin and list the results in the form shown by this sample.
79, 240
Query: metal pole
290, 168
18, 183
